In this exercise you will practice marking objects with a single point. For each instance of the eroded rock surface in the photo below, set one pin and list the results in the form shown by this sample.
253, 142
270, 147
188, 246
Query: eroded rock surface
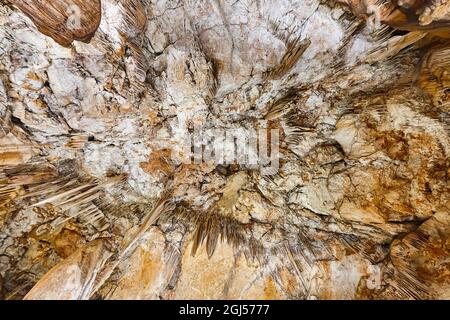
93, 194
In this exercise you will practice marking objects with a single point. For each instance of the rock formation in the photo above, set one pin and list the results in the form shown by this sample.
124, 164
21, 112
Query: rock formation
101, 193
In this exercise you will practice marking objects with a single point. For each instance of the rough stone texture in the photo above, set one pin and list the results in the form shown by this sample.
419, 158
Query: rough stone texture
51, 18
92, 195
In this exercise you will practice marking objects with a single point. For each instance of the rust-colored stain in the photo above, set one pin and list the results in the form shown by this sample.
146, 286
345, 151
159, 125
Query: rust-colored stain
434, 77
63, 20
290, 283
150, 267
10, 156
422, 256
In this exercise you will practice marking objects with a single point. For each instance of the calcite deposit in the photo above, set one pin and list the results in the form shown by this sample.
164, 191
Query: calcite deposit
102, 192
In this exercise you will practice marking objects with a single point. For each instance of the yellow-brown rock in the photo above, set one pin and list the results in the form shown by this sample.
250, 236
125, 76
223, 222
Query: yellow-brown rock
287, 149
64, 20
72, 278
